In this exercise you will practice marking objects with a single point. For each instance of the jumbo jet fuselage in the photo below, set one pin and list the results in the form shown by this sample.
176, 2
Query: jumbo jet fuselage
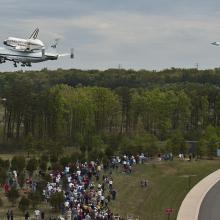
30, 57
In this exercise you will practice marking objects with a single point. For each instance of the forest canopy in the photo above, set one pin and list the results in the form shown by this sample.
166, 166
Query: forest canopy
88, 109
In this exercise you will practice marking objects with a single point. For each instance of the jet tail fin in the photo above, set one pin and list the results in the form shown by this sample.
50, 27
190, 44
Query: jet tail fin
34, 34
56, 41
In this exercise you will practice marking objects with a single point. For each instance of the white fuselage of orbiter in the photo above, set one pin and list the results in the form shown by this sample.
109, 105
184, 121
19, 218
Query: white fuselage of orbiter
20, 44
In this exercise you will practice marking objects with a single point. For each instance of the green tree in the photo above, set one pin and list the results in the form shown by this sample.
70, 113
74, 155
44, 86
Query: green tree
32, 165
209, 141
18, 163
13, 195
24, 204
35, 198
176, 144
43, 165
3, 175
1, 202
21, 179
29, 144
56, 200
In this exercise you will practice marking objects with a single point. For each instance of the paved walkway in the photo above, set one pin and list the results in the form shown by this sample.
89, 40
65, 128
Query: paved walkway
209, 208
189, 209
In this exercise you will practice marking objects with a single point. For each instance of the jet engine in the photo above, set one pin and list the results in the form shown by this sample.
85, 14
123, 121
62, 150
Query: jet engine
2, 60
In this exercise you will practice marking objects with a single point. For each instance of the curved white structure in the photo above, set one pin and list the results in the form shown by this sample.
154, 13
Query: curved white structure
189, 209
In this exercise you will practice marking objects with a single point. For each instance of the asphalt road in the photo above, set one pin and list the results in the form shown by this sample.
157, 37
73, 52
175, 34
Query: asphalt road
210, 207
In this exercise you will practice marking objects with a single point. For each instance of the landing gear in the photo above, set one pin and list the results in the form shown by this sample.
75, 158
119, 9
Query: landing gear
2, 60
26, 64
15, 64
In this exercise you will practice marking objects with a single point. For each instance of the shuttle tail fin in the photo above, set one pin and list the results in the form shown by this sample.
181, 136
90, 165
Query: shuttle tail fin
34, 34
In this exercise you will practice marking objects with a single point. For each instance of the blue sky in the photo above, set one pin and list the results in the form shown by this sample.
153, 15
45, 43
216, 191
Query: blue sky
140, 34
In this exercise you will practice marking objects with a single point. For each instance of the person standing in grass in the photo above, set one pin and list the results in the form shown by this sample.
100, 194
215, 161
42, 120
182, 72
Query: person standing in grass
11, 215
26, 216
42, 215
8, 215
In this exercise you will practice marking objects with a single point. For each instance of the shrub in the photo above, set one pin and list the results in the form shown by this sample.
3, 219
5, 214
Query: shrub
56, 200
13, 195
32, 165
64, 161
43, 165
4, 164
44, 157
3, 175
21, 179
53, 158
34, 198
24, 204
1, 202
18, 163
56, 166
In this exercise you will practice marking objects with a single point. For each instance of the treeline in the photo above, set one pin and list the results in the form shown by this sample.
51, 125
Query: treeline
114, 78
109, 110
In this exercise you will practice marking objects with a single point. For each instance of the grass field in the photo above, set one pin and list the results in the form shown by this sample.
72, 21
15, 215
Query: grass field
167, 188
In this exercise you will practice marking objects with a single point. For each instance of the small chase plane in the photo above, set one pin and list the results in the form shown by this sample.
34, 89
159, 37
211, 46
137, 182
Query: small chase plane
28, 51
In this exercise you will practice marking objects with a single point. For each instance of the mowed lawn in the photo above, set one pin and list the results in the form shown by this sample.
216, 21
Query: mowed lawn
168, 186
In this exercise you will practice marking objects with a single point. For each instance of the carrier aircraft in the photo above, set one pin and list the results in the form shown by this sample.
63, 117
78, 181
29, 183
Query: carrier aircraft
28, 51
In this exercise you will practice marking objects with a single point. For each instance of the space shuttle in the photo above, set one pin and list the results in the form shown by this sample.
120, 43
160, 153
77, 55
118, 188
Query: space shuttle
30, 50
31, 44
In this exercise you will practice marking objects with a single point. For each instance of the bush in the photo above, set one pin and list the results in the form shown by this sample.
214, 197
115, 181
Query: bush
3, 175
4, 164
64, 161
1, 202
41, 185
56, 166
56, 200
18, 163
76, 156
24, 204
44, 157
13, 195
43, 165
21, 179
53, 158
32, 165
46, 177
109, 151
35, 198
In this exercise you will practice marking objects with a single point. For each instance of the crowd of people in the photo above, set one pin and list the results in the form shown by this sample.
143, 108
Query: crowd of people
88, 190
86, 187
